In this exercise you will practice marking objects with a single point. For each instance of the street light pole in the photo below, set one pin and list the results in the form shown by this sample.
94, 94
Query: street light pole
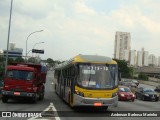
6, 62
36, 44
33, 47
27, 40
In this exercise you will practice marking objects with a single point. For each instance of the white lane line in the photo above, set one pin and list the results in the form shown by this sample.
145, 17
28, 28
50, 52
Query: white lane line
49, 108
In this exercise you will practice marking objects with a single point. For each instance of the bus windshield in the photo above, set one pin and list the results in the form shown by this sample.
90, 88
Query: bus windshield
98, 76
20, 74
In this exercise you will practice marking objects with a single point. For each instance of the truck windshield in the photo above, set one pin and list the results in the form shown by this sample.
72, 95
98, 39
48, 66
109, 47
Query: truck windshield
98, 76
20, 75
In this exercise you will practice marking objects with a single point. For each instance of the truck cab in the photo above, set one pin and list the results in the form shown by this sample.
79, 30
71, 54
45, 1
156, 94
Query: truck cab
23, 80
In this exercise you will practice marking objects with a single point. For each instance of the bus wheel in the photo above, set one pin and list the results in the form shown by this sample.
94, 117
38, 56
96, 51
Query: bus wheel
116, 105
4, 99
69, 101
55, 88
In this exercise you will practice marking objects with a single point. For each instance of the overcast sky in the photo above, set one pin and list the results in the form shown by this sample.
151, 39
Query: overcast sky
74, 27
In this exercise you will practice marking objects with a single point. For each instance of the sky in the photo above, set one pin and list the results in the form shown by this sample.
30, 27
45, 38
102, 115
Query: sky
72, 27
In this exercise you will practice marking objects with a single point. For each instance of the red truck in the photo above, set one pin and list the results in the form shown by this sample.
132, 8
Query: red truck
24, 80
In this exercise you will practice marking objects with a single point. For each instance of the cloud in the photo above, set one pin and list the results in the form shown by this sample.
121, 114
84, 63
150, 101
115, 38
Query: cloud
72, 27
80, 7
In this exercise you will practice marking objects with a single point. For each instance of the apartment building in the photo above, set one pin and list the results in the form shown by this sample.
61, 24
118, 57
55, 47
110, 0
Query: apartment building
122, 45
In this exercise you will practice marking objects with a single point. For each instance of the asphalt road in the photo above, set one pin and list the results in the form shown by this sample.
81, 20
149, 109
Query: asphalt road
67, 113
92, 114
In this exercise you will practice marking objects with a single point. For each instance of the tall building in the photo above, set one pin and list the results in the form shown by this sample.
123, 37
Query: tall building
12, 46
159, 61
126, 55
139, 58
145, 58
132, 57
1, 51
152, 60
122, 43
13, 52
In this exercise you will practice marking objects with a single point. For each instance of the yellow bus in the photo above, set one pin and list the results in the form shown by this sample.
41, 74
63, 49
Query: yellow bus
88, 80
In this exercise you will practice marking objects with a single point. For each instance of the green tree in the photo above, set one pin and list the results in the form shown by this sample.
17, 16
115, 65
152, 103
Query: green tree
2, 59
10, 60
50, 60
32, 60
142, 76
125, 71
19, 59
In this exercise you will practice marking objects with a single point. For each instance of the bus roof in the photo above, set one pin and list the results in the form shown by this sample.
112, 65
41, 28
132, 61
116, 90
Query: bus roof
88, 59
92, 58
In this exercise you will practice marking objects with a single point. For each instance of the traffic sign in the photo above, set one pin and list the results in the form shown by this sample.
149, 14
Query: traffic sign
37, 51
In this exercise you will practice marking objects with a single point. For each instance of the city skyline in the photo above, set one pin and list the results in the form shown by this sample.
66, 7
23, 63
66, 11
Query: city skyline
80, 26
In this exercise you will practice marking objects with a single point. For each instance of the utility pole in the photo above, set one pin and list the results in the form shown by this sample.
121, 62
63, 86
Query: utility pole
6, 62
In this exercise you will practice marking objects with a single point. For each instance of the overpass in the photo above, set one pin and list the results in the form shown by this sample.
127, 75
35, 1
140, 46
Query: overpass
150, 71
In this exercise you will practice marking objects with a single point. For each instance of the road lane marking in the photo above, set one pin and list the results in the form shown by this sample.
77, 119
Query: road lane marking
52, 116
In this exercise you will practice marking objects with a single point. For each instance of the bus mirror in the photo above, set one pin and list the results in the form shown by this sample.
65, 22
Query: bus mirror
119, 76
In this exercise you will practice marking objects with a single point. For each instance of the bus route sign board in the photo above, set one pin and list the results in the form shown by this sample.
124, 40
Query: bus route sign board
37, 51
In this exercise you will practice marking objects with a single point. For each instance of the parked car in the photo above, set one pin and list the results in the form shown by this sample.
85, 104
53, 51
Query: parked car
157, 89
124, 93
135, 81
146, 94
130, 84
121, 82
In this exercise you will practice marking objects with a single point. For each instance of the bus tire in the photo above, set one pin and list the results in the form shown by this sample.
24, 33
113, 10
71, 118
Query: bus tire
34, 100
55, 88
69, 98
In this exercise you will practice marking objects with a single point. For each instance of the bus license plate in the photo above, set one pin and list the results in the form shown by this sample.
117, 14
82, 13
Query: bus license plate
16, 93
97, 104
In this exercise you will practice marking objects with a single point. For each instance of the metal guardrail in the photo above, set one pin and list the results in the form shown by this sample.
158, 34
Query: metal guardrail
148, 70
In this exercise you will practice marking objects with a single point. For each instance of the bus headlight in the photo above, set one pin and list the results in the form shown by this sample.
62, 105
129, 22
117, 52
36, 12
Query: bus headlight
79, 93
114, 94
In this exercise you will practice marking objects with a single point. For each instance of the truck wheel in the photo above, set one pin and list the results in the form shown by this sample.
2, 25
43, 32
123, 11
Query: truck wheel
4, 99
34, 100
41, 96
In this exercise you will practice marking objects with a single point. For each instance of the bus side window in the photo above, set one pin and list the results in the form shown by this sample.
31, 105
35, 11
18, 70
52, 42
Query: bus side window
58, 76
67, 82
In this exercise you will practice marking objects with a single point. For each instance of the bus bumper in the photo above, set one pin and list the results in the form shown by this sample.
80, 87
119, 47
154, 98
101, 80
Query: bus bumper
83, 101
